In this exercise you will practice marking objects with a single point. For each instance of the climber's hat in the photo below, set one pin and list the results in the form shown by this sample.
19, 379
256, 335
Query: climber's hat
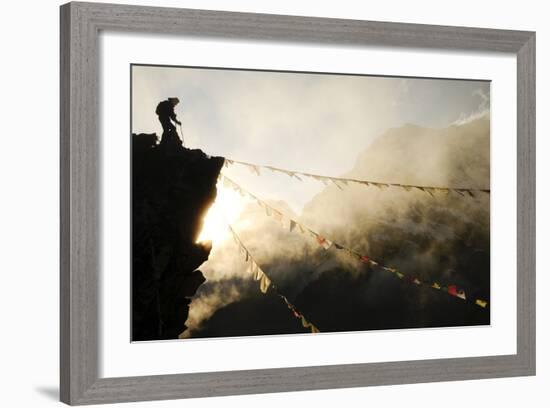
174, 101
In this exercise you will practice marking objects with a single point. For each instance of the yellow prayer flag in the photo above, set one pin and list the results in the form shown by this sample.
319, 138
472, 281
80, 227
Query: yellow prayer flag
481, 303
436, 286
258, 273
264, 283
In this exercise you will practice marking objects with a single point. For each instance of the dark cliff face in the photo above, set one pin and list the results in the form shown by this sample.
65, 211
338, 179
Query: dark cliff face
171, 191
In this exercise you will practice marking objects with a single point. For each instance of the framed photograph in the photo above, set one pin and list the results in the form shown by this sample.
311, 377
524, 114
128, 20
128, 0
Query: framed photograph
260, 203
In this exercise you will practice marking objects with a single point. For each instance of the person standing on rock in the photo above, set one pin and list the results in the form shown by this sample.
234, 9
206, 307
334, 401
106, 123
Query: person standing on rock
166, 114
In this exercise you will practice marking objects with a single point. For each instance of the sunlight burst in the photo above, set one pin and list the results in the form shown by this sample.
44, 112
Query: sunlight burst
226, 209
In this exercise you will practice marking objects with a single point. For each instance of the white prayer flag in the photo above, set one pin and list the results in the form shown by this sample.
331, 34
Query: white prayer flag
325, 243
264, 283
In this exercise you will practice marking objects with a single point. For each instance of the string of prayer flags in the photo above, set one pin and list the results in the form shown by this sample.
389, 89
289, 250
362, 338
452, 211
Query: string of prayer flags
327, 244
305, 323
265, 282
339, 181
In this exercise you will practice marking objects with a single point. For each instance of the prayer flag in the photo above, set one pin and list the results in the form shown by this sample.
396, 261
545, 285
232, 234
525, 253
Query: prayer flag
365, 259
264, 283
399, 275
481, 303
325, 243
436, 286
417, 281
461, 294
258, 273
314, 329
452, 290
292, 225
253, 268
226, 182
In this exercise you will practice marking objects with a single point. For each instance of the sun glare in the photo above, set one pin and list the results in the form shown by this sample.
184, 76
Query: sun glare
226, 209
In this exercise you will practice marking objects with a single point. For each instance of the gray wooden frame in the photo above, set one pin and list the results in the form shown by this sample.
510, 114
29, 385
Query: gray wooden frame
80, 26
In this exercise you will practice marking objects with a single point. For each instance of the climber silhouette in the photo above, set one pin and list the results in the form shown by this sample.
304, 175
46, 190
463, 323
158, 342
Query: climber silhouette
166, 114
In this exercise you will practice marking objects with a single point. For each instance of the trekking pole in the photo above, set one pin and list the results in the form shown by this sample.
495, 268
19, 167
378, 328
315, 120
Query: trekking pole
182, 140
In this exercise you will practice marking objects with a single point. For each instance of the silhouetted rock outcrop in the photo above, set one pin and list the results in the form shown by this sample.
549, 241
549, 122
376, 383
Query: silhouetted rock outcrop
172, 188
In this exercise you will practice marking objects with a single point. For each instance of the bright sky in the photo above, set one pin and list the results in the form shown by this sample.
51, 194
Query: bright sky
316, 123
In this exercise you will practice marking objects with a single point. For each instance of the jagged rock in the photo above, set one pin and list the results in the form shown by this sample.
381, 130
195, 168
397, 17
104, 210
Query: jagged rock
172, 188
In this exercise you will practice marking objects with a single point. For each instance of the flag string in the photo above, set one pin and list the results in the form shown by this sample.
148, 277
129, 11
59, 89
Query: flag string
326, 243
339, 181
265, 282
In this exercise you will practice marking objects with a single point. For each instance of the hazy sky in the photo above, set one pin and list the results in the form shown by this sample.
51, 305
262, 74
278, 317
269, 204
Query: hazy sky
317, 123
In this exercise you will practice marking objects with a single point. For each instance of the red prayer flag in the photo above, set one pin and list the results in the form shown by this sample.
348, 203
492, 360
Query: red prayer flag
452, 290
365, 259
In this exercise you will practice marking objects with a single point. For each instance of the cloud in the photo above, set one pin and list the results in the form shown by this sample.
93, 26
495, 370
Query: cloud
482, 111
